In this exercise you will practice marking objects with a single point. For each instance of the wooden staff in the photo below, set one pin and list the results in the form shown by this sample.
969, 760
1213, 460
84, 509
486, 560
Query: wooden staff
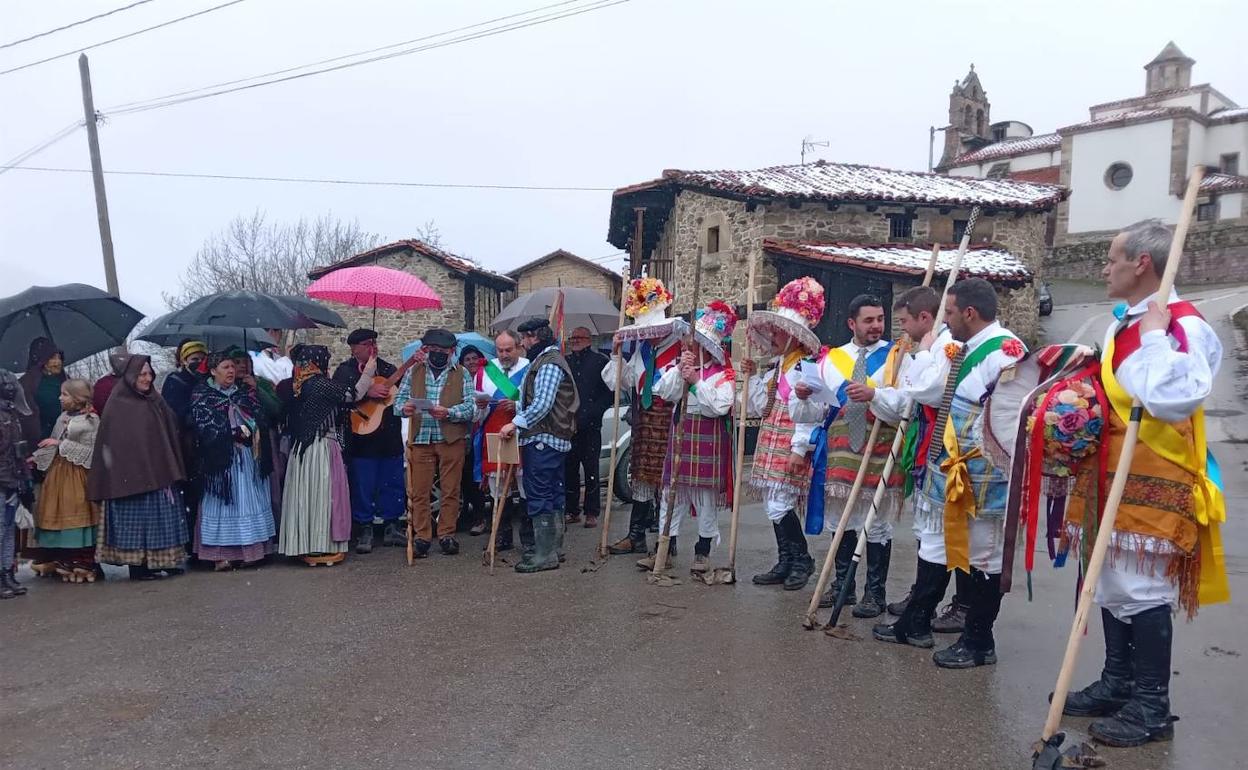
411, 484
809, 621
615, 434
509, 475
665, 537
1121, 472
739, 466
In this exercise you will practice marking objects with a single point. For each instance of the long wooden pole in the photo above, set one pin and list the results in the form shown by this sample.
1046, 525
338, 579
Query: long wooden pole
809, 620
508, 475
604, 536
742, 413
665, 537
97, 178
1121, 472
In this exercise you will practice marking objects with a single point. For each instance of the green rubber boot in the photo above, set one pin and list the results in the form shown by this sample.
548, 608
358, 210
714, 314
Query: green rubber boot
546, 538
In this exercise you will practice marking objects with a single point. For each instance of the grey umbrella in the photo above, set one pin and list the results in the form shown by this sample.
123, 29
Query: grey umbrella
81, 320
314, 310
581, 307
241, 308
161, 332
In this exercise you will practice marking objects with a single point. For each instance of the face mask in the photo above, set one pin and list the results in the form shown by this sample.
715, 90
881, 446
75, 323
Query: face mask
438, 359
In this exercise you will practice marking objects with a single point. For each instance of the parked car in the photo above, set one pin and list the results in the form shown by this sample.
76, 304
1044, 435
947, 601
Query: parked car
623, 450
1045, 298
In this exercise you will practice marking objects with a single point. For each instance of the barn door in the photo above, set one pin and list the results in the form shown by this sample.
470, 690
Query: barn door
840, 286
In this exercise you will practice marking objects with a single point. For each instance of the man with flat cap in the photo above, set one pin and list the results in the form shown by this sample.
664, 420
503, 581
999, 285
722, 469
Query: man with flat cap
374, 460
546, 421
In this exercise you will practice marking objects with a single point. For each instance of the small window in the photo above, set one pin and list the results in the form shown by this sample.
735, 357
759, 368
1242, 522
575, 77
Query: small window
998, 133
959, 229
1118, 176
712, 240
999, 170
1229, 164
1207, 212
899, 226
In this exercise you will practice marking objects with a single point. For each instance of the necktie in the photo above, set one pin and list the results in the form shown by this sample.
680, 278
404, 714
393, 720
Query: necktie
946, 401
856, 412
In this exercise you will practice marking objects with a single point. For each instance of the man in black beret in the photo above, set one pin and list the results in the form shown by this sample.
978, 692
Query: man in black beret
374, 460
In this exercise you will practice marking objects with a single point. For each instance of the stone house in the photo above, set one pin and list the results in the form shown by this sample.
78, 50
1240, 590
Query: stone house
563, 268
471, 297
806, 220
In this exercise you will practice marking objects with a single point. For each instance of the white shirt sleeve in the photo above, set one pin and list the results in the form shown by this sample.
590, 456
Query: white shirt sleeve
1169, 384
800, 443
890, 404
758, 395
714, 397
924, 379
670, 385
633, 369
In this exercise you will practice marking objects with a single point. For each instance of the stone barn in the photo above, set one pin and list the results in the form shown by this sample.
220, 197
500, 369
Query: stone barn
563, 268
777, 216
471, 297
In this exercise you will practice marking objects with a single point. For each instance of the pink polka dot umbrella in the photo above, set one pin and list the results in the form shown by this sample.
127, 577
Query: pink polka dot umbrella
373, 286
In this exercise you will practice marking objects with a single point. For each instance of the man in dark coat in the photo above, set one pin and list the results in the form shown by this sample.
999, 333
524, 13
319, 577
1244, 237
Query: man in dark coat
374, 460
586, 364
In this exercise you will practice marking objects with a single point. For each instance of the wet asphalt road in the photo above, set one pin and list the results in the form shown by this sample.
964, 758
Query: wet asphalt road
374, 664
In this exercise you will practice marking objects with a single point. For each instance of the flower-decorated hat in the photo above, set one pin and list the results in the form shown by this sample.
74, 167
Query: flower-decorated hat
796, 310
714, 324
646, 301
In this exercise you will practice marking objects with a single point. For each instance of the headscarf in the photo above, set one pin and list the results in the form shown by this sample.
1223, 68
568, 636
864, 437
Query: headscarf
190, 347
42, 397
137, 448
319, 401
216, 416
310, 360
117, 362
12, 397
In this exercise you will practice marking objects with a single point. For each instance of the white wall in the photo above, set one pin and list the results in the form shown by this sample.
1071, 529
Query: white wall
1146, 148
1226, 138
1021, 163
1231, 206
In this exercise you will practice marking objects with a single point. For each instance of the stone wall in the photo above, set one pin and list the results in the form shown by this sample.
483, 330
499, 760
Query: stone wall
561, 271
725, 273
1216, 252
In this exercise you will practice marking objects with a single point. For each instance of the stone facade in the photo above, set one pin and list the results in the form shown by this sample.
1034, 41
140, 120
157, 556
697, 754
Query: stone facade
743, 227
570, 271
396, 328
1214, 253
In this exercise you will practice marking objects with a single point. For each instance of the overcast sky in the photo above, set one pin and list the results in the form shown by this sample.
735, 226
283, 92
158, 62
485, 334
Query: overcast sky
603, 99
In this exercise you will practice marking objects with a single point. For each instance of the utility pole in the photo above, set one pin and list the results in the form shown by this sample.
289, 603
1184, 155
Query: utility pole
931, 145
97, 176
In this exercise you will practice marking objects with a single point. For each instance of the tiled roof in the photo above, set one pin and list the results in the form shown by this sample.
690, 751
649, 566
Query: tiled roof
1223, 183
1010, 148
1229, 115
1153, 97
844, 182
1046, 175
1170, 53
1134, 116
557, 253
994, 264
460, 265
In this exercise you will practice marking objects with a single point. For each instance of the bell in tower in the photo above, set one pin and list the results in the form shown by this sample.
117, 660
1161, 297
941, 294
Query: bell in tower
969, 121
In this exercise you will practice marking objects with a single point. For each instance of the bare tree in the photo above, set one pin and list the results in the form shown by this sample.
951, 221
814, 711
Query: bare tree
253, 253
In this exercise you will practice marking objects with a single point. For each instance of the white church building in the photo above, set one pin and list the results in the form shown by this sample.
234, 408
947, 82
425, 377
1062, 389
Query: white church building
1128, 161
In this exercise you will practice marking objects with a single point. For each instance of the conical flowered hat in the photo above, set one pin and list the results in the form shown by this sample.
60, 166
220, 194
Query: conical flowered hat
714, 324
646, 301
796, 310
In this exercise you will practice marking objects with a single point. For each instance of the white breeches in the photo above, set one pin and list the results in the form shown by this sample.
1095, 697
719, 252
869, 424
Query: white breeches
777, 501
1127, 588
708, 511
987, 538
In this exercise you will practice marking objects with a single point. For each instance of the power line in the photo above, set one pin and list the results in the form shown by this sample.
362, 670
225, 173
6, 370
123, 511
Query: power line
314, 180
594, 6
119, 37
339, 58
29, 153
74, 24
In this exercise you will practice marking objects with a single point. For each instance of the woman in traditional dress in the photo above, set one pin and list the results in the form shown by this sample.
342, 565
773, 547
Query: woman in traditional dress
45, 372
135, 471
232, 465
316, 503
65, 520
271, 429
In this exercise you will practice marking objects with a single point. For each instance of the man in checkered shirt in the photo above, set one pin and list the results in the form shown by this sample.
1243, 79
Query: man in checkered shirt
546, 421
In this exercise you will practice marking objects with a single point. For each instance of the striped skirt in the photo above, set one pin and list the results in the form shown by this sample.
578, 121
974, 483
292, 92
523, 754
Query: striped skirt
239, 529
147, 529
316, 503
649, 448
772, 453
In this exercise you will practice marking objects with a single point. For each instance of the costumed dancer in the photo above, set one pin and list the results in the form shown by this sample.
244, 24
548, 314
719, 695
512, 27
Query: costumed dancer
1166, 550
781, 470
657, 349
703, 479
841, 443
316, 502
960, 506
497, 391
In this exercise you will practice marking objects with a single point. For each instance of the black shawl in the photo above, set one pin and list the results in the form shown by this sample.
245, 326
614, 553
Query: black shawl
215, 436
320, 405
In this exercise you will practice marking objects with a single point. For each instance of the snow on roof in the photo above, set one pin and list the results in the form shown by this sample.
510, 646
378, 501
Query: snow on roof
1010, 148
1133, 116
844, 182
994, 264
1222, 183
463, 265
1230, 115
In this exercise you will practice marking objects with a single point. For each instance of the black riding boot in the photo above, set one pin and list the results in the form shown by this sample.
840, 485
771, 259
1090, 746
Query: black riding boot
800, 563
776, 575
1111, 692
635, 541
873, 596
914, 627
844, 555
1146, 716
976, 646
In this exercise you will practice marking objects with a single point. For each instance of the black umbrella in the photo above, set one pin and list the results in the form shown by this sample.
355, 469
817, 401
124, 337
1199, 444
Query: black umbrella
244, 309
161, 332
81, 320
314, 310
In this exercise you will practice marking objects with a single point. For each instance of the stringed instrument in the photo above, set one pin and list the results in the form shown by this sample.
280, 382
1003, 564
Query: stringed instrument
367, 413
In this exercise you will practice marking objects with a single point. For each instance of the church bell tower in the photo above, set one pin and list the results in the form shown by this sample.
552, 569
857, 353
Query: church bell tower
969, 119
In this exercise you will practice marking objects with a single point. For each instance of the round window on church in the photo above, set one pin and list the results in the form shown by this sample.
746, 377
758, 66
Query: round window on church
1118, 176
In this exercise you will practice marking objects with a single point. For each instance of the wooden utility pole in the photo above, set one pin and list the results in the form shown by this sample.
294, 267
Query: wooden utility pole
97, 176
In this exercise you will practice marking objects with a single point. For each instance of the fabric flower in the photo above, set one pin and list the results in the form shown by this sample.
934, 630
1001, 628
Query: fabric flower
1012, 348
1072, 422
951, 350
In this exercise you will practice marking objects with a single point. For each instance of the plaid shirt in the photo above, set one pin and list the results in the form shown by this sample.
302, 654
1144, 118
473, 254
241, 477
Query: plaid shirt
545, 386
430, 429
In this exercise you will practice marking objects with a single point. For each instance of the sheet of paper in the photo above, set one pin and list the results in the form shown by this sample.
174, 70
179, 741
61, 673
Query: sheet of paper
808, 374
422, 404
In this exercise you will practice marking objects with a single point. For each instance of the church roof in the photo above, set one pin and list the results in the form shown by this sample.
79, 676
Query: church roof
991, 263
1171, 53
1133, 116
1223, 183
1230, 115
1010, 148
